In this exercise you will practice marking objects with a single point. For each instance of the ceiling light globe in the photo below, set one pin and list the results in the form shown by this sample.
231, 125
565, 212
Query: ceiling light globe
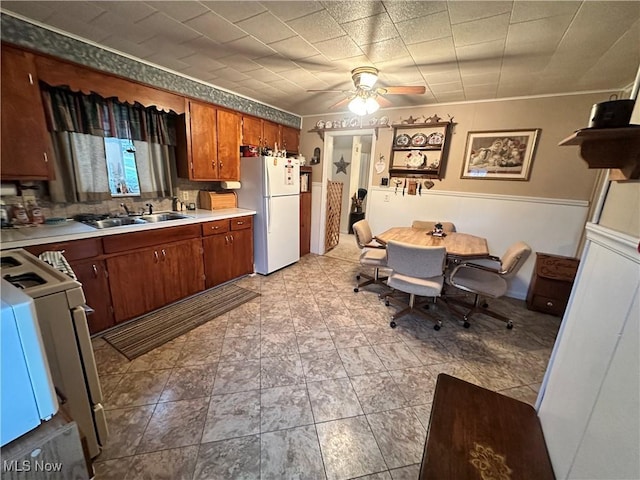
371, 105
358, 106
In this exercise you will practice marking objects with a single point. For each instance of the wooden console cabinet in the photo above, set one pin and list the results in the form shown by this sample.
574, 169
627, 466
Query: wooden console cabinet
551, 283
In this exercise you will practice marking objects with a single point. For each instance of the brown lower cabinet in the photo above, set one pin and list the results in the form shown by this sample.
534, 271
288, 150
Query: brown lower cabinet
228, 249
153, 277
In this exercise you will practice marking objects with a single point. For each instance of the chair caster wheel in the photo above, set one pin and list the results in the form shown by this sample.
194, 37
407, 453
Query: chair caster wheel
509, 326
386, 303
393, 324
485, 305
466, 324
357, 277
356, 289
436, 327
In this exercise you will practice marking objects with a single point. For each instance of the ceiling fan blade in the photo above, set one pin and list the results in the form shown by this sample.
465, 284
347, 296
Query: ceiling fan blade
341, 103
383, 102
404, 90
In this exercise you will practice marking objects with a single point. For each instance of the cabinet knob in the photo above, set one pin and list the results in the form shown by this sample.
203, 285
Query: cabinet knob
549, 304
164, 255
95, 271
215, 228
220, 164
240, 223
155, 255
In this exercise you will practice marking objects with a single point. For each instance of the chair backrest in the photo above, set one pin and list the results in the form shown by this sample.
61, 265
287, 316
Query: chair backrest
362, 232
447, 227
514, 258
415, 260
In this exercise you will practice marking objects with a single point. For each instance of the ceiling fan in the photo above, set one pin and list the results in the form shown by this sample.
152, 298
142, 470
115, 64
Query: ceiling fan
367, 98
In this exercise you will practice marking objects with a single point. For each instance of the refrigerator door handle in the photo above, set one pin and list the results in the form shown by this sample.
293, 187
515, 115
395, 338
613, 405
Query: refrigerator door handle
269, 216
268, 189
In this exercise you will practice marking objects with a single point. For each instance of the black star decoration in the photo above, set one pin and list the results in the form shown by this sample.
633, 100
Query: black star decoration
342, 166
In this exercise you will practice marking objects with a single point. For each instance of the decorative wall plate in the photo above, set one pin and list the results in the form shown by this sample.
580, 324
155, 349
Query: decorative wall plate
436, 138
418, 140
416, 159
328, 124
383, 121
320, 125
402, 140
353, 122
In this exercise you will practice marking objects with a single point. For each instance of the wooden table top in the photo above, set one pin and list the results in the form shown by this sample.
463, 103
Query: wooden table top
475, 433
457, 244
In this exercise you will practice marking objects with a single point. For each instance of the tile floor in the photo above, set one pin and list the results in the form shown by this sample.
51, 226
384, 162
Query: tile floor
307, 381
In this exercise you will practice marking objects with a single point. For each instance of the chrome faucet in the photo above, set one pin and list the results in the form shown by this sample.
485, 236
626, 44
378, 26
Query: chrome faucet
126, 209
150, 208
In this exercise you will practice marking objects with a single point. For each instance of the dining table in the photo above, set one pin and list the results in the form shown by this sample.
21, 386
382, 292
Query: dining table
459, 246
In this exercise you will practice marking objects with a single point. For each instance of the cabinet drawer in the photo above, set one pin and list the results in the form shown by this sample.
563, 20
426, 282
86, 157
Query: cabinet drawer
130, 241
241, 223
215, 227
554, 306
73, 250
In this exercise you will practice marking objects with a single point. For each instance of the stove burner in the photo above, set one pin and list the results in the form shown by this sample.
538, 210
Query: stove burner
6, 262
25, 280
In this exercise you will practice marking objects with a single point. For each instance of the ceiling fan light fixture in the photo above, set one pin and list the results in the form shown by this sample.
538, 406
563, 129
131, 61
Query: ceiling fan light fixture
363, 106
364, 77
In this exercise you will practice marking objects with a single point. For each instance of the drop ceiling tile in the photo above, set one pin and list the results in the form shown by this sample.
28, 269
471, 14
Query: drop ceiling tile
480, 79
353, 10
121, 27
39, 11
477, 67
180, 11
526, 11
386, 50
339, 48
207, 47
446, 97
248, 47
426, 28
196, 72
166, 61
539, 36
252, 83
231, 74
433, 51
242, 64
82, 11
452, 76
445, 87
80, 28
304, 79
371, 30
121, 44
167, 47
469, 11
317, 27
266, 27
480, 91
318, 64
276, 63
401, 11
294, 48
526, 63
288, 87
235, 11
409, 75
290, 10
514, 90
264, 75
215, 27
203, 62
128, 11
168, 28
480, 31
481, 51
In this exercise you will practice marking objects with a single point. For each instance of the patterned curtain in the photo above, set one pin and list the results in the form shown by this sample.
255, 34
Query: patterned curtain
91, 114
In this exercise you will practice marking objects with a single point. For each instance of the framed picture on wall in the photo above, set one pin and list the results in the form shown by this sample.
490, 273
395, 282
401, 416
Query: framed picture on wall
500, 155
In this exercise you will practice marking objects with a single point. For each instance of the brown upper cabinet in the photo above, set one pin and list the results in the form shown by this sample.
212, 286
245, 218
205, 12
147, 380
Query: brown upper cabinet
212, 139
26, 145
291, 139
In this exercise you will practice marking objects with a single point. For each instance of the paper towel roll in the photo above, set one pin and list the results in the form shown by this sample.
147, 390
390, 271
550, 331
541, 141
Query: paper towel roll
8, 189
230, 185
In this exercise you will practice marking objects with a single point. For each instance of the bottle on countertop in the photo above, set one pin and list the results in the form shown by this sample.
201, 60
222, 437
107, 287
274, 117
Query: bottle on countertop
19, 214
34, 213
5, 214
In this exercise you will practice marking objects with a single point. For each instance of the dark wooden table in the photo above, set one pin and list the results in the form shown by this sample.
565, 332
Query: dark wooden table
478, 434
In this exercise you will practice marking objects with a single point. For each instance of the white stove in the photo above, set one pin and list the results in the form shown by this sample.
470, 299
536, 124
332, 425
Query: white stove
59, 303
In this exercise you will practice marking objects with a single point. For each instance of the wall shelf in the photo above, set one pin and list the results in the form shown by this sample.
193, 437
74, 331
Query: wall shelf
433, 155
617, 149
321, 131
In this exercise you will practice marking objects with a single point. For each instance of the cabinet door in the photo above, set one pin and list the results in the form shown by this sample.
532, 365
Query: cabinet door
305, 223
135, 285
217, 259
26, 147
242, 252
228, 145
95, 284
182, 272
290, 139
204, 157
271, 134
251, 131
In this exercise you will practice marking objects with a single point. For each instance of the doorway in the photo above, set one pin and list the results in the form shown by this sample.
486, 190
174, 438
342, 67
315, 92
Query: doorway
350, 164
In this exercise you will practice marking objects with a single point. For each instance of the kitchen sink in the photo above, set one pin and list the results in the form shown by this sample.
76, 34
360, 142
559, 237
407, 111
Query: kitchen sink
136, 220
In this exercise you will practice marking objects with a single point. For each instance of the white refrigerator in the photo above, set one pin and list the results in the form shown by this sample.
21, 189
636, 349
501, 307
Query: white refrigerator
271, 187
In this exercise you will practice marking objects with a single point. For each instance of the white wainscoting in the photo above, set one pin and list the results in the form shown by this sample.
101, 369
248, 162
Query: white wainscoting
547, 225
590, 399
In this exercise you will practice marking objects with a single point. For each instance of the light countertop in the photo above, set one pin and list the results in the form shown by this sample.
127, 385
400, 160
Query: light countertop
72, 230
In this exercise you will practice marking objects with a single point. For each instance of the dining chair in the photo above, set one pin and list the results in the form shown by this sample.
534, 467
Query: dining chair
447, 227
484, 281
418, 271
374, 254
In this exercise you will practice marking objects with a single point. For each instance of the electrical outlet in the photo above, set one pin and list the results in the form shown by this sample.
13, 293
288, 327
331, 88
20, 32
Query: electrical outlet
185, 196
386, 197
